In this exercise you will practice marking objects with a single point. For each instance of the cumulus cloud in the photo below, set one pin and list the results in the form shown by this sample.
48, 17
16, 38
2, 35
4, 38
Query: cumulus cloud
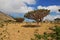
53, 8
16, 5
51, 17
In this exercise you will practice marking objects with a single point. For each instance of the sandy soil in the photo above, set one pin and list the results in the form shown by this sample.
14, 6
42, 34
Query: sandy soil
15, 31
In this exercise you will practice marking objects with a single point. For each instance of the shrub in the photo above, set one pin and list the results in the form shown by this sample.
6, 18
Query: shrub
1, 25
19, 19
55, 35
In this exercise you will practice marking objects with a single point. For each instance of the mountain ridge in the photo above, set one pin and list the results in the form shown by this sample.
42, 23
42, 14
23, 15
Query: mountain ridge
5, 17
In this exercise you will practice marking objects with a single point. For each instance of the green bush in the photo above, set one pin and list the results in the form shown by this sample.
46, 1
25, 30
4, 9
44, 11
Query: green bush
55, 35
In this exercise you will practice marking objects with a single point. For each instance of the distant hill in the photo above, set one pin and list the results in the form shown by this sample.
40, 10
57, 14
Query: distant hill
5, 17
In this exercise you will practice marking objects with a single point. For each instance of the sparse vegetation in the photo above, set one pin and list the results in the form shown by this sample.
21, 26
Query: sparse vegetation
49, 36
4, 35
1, 25
19, 19
56, 33
57, 20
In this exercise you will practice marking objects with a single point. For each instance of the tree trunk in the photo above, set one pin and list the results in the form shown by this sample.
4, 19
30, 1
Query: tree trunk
40, 20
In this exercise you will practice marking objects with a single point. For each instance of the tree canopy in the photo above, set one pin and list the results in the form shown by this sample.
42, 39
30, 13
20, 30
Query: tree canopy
57, 19
37, 15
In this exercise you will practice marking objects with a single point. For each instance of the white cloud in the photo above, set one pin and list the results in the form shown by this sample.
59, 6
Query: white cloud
51, 17
25, 9
30, 1
53, 8
16, 5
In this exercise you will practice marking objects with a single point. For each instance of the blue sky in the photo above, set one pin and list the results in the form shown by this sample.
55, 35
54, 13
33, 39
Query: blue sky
17, 8
42, 3
46, 3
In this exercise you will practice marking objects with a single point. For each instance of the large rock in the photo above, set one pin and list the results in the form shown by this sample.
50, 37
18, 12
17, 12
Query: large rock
5, 17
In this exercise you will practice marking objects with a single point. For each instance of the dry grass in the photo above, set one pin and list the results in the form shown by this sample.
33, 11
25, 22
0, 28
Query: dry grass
15, 31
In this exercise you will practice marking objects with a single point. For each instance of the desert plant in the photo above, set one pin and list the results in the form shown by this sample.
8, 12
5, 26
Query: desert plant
56, 34
40, 37
19, 19
37, 37
45, 36
37, 15
57, 20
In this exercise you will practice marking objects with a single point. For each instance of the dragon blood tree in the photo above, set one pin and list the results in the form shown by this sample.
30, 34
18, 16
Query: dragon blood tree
37, 15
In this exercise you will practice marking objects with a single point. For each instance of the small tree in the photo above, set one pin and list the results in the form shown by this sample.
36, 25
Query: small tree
37, 15
19, 19
57, 20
